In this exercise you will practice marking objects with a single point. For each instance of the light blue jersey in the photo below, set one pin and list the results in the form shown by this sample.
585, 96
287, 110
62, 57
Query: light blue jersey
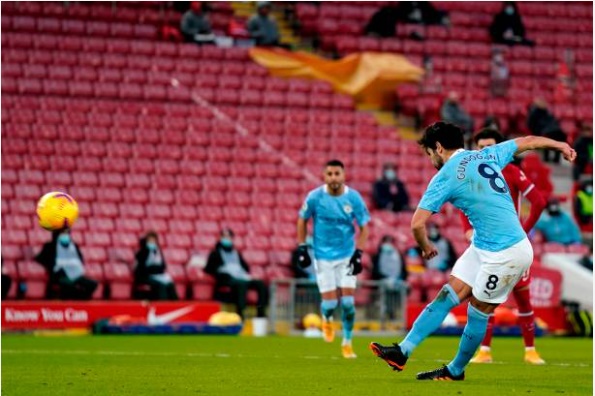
472, 181
334, 232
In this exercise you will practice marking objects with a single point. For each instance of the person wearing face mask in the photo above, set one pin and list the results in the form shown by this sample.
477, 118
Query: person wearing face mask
452, 111
499, 75
229, 269
64, 262
583, 204
389, 192
388, 266
558, 226
262, 26
507, 26
447, 256
150, 269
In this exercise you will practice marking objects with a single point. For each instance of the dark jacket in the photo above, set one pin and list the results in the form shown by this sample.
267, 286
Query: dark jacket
215, 261
541, 122
376, 275
383, 199
502, 22
47, 256
141, 270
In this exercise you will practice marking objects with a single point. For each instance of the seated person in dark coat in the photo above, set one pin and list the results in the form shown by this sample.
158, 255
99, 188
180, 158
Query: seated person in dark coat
150, 268
64, 262
229, 268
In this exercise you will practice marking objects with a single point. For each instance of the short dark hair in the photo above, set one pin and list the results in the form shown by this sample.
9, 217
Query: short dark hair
227, 231
488, 133
450, 136
335, 162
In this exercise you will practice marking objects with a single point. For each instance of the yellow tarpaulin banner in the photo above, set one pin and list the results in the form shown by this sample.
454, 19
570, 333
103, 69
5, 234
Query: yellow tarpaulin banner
366, 76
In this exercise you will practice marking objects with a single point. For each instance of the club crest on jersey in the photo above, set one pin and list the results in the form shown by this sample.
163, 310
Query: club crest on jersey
347, 208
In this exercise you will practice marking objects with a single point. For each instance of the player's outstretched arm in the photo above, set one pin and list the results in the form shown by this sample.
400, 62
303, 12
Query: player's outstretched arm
540, 142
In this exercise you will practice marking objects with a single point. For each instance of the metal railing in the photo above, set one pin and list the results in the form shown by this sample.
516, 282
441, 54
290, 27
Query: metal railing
380, 307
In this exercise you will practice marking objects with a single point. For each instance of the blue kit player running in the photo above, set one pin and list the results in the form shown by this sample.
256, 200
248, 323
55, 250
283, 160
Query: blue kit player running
334, 208
499, 253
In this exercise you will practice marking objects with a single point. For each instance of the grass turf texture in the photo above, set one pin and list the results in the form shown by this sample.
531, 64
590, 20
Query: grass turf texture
209, 365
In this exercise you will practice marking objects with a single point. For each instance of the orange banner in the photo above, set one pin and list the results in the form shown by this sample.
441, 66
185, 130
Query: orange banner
366, 76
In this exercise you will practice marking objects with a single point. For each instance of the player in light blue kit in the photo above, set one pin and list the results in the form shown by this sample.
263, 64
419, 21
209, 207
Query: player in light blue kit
337, 256
499, 253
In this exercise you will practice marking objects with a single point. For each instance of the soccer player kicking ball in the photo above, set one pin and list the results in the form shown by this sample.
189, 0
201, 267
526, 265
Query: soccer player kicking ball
337, 257
499, 253
519, 185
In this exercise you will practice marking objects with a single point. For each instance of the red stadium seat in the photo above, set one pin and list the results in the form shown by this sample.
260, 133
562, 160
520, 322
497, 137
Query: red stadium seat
119, 279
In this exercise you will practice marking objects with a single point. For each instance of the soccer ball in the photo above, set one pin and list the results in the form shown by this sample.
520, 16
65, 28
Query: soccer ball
312, 320
57, 210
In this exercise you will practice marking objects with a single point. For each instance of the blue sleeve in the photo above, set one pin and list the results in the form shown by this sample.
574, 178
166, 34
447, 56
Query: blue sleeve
436, 194
307, 208
504, 152
362, 216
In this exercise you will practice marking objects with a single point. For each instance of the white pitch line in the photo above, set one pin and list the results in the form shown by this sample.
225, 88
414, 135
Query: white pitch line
216, 355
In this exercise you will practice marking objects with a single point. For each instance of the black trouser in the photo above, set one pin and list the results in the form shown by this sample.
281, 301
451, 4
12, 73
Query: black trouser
6, 283
80, 289
162, 291
239, 291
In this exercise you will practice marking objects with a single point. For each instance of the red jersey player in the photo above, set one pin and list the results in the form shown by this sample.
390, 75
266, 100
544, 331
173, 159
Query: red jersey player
519, 186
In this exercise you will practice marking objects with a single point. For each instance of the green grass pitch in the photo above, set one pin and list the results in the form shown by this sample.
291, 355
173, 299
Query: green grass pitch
227, 365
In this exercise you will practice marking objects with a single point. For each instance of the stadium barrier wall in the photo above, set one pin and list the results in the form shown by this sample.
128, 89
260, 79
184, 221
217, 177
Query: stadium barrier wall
40, 315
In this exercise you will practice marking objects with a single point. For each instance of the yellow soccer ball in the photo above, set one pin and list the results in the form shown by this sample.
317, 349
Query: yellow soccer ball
312, 320
57, 210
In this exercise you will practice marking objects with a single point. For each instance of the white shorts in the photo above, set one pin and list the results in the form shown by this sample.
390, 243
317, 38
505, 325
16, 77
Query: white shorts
334, 274
493, 275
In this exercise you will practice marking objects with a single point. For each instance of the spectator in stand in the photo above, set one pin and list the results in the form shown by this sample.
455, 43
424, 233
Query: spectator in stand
389, 192
384, 22
309, 272
453, 113
388, 266
583, 204
195, 25
262, 28
499, 74
584, 151
541, 122
507, 26
229, 268
6, 283
65, 265
447, 256
558, 226
150, 269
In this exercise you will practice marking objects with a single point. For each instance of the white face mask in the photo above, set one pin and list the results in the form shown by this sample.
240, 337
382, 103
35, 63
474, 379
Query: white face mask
589, 190
390, 174
509, 10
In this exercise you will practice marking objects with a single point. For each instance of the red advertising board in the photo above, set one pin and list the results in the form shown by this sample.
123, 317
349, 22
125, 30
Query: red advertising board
30, 315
